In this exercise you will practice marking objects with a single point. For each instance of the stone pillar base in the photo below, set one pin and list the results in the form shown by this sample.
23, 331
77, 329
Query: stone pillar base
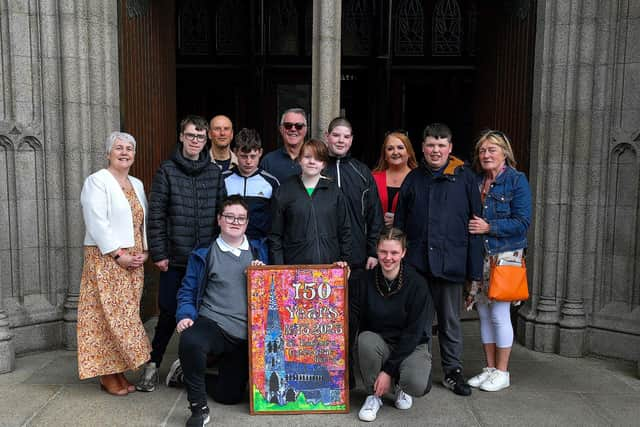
572, 342
545, 338
7, 356
525, 331
69, 335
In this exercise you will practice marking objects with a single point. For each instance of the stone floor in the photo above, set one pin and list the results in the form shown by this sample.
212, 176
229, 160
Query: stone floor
44, 390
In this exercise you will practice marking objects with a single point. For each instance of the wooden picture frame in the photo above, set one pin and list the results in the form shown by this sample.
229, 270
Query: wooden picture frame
298, 339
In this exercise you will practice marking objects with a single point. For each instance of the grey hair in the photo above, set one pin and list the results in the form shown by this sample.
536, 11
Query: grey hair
295, 111
122, 136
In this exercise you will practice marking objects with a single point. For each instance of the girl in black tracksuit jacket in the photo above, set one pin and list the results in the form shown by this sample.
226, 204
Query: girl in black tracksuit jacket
310, 223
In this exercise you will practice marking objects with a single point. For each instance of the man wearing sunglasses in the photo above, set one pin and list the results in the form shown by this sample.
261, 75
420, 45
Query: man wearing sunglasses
185, 195
282, 162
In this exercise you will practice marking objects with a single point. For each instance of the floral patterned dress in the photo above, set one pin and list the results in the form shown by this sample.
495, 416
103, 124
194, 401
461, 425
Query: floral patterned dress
111, 337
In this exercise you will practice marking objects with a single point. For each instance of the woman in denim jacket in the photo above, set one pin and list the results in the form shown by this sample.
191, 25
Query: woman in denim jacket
506, 215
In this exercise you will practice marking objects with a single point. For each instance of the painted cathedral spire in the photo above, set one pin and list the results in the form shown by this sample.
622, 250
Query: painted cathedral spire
274, 365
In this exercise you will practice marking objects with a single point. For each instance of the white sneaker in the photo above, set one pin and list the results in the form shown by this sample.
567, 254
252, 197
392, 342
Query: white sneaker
481, 377
370, 408
403, 400
497, 380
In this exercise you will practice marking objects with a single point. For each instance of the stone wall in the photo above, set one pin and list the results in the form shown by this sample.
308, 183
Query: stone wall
585, 174
59, 100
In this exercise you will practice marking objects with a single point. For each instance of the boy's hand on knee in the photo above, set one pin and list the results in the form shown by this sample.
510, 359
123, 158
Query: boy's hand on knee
184, 324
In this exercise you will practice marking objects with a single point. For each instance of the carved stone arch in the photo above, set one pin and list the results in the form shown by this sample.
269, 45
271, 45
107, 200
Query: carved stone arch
621, 147
620, 288
29, 250
6, 143
31, 142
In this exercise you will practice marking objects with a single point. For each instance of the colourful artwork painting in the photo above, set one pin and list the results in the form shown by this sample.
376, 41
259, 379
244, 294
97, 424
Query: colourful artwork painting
298, 339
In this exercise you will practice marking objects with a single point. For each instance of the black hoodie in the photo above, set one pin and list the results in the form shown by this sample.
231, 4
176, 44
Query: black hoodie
183, 205
365, 213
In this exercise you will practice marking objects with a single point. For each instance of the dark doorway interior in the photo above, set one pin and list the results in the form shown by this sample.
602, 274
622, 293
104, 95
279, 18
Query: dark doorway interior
405, 63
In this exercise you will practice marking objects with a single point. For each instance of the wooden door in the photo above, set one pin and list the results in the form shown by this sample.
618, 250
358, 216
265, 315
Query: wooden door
148, 82
504, 81
148, 97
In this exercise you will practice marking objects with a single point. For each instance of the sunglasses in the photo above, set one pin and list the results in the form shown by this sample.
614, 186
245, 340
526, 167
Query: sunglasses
289, 125
401, 131
499, 134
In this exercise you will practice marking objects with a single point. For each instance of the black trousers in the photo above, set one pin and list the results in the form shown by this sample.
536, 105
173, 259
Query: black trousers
170, 282
206, 337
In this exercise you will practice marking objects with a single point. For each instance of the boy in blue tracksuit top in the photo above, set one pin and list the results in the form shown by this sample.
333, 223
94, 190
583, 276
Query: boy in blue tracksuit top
212, 313
256, 186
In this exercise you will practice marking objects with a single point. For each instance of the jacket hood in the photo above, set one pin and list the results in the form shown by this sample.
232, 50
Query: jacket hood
452, 167
191, 167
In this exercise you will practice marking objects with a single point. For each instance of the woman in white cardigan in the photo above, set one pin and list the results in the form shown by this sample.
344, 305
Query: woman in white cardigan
111, 337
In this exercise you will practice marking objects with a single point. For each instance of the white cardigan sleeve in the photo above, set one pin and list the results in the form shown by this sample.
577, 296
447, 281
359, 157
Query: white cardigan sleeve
96, 209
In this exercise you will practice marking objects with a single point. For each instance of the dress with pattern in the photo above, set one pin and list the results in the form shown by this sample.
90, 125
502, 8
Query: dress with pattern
111, 337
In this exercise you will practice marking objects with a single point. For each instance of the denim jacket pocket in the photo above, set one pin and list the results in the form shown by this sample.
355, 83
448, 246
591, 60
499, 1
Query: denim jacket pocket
501, 203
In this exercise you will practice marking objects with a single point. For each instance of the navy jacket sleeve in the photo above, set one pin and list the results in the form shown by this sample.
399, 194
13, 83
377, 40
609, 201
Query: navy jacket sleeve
404, 197
475, 256
188, 292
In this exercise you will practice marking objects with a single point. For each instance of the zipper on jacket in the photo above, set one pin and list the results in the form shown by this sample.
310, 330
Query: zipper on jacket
315, 226
338, 172
194, 182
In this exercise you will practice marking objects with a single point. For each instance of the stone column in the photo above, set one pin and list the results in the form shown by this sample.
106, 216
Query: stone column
560, 139
7, 350
570, 112
90, 111
325, 80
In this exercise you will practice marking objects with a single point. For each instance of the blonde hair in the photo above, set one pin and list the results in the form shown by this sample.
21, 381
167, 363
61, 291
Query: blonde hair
498, 138
382, 161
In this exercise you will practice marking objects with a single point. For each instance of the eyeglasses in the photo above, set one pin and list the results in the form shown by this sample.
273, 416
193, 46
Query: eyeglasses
289, 125
200, 137
230, 219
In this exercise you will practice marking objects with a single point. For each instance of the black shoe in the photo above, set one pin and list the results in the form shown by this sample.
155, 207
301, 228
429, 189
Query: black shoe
199, 415
455, 382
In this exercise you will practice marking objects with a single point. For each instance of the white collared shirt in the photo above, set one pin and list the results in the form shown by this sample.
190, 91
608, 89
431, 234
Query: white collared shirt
225, 247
